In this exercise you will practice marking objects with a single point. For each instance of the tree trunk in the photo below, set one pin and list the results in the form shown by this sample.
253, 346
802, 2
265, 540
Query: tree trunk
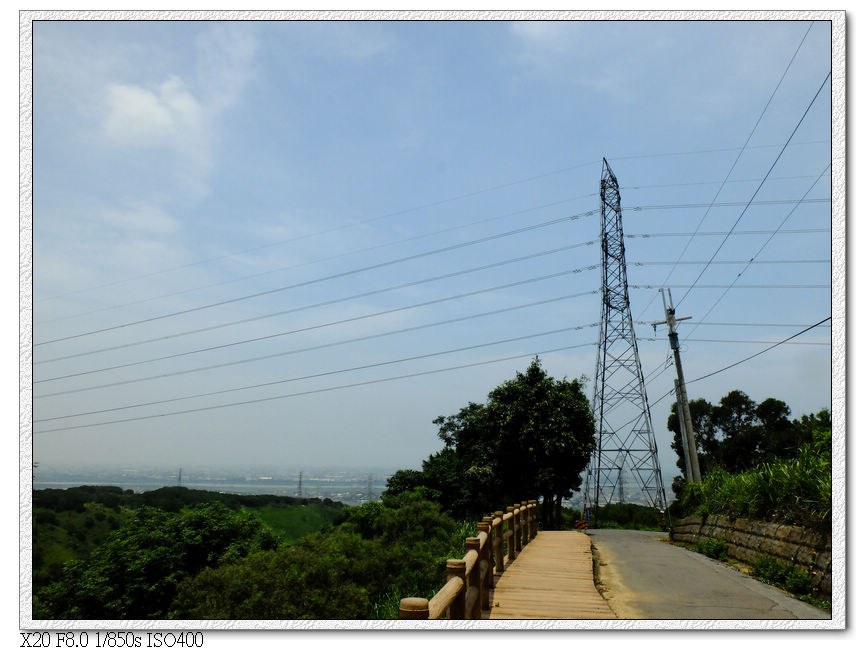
559, 511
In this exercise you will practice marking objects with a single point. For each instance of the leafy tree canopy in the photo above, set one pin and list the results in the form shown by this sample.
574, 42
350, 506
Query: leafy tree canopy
533, 437
738, 434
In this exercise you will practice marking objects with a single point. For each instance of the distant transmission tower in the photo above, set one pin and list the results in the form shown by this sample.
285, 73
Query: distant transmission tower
625, 439
300, 485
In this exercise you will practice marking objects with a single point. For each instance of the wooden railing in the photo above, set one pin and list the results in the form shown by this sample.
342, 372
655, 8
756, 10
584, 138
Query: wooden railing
470, 580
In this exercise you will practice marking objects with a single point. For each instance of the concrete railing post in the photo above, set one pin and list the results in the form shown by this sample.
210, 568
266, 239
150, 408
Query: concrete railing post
512, 539
518, 529
500, 543
473, 580
457, 568
414, 608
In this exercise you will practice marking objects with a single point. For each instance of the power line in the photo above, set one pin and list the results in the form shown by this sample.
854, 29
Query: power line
320, 374
322, 346
320, 390
651, 338
315, 280
333, 301
741, 286
753, 259
760, 186
310, 328
736, 161
789, 338
793, 231
399, 212
391, 288
723, 204
685, 324
341, 227
319, 260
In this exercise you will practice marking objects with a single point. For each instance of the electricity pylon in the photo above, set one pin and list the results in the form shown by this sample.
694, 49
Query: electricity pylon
624, 434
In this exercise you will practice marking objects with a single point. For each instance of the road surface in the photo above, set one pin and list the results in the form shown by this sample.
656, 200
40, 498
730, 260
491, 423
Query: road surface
644, 577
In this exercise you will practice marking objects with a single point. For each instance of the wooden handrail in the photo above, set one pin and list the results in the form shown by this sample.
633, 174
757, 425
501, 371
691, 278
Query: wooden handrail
466, 592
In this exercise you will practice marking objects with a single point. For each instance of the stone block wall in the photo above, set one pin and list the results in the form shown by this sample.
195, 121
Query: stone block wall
746, 539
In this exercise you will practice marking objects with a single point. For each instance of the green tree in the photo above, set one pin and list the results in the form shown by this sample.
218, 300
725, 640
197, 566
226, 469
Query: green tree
135, 573
738, 434
533, 437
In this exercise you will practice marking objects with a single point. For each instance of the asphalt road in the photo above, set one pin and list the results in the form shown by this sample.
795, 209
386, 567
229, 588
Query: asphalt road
644, 577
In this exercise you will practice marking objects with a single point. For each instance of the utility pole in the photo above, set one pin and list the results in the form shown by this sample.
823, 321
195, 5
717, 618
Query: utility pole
685, 424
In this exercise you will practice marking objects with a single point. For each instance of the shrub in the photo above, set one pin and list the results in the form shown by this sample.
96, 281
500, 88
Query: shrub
712, 547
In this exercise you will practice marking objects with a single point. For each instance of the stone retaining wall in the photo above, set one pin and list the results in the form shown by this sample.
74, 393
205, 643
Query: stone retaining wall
747, 539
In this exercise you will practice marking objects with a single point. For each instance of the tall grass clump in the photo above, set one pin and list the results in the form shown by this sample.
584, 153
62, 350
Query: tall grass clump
795, 492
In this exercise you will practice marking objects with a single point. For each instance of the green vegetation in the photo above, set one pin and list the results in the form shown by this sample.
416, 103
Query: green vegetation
795, 492
738, 434
135, 573
360, 568
175, 553
712, 547
292, 522
533, 436
630, 516
781, 574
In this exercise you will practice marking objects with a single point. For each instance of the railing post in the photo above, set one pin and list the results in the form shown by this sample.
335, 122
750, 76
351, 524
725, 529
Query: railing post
534, 526
414, 608
512, 541
474, 578
457, 568
525, 523
499, 545
487, 554
518, 529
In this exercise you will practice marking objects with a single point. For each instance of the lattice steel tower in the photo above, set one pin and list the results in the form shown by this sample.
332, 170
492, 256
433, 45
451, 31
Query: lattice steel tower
624, 435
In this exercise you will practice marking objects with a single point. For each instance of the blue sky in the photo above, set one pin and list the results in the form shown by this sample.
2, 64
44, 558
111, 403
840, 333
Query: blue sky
182, 164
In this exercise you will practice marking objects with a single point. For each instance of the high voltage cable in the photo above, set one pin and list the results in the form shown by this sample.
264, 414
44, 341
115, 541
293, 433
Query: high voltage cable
652, 338
732, 365
322, 346
333, 301
793, 231
702, 151
317, 375
402, 241
684, 324
396, 213
768, 173
341, 227
799, 261
736, 162
400, 286
316, 280
310, 328
753, 258
321, 390
725, 204
763, 351
322, 259
690, 183
722, 286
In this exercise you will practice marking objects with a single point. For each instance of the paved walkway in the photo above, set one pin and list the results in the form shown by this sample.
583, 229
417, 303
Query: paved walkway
644, 577
550, 579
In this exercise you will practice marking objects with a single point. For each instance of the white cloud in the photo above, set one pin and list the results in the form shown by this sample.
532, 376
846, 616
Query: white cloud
141, 117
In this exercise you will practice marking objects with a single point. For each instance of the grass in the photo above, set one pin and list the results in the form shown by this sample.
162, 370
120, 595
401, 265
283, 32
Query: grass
292, 522
796, 492
787, 577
